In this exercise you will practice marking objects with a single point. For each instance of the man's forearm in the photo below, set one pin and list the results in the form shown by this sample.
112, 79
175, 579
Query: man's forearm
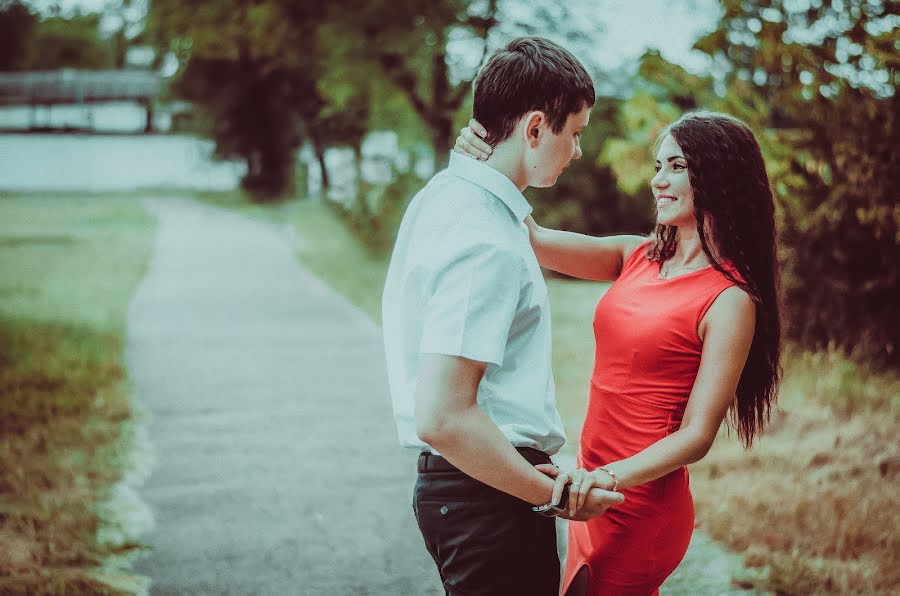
471, 441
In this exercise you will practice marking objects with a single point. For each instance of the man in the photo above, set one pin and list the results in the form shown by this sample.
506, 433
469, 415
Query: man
467, 334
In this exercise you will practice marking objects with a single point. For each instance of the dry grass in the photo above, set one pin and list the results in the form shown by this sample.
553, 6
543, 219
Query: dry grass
822, 489
814, 506
68, 269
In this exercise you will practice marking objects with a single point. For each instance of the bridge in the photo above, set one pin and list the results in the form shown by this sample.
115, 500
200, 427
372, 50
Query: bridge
78, 87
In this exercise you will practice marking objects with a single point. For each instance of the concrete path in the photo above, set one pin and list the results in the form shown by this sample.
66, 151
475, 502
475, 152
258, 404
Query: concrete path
278, 470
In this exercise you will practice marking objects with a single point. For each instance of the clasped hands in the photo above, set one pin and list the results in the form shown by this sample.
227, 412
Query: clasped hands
589, 492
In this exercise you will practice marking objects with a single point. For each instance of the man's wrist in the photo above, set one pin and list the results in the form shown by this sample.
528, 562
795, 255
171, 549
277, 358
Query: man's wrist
551, 510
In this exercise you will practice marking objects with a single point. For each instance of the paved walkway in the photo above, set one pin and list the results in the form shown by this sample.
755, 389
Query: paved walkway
278, 470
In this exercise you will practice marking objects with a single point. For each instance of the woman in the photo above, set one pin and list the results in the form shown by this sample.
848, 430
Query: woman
688, 331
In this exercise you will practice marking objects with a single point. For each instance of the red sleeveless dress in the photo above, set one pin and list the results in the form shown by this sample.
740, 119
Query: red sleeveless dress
647, 357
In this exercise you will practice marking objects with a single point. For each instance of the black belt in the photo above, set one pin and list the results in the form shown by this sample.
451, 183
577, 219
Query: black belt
429, 462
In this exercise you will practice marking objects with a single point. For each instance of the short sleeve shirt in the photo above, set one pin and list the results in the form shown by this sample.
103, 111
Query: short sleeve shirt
464, 281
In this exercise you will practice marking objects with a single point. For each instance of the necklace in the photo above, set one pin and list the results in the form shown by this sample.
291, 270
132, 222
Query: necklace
668, 270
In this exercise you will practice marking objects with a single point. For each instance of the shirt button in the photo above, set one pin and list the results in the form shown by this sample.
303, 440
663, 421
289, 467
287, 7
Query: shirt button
444, 510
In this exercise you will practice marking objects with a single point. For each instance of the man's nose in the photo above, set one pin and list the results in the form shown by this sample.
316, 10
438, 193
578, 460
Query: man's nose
577, 154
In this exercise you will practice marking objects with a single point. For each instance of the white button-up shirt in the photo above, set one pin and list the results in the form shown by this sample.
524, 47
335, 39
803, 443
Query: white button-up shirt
464, 281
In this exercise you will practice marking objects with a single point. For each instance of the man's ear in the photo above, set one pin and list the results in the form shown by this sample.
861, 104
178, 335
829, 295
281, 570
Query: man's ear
534, 127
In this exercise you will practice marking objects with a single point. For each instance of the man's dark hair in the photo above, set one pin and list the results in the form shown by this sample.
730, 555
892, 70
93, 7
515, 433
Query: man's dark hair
530, 73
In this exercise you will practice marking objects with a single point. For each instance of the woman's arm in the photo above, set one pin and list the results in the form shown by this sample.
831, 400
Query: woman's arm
579, 255
727, 332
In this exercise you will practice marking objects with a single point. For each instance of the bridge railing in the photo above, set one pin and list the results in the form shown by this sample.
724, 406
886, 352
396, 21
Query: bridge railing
78, 86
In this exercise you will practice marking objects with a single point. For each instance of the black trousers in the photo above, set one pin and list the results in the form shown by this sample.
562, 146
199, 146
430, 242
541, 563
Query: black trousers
484, 541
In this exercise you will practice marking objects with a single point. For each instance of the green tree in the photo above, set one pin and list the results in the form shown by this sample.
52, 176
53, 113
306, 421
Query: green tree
244, 64
430, 52
828, 74
329, 71
127, 20
818, 85
73, 42
255, 68
28, 42
17, 25
406, 42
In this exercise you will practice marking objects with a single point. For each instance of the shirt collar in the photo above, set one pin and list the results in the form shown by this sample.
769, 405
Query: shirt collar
492, 181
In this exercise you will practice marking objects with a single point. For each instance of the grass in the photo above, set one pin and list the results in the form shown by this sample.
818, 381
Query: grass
66, 418
814, 506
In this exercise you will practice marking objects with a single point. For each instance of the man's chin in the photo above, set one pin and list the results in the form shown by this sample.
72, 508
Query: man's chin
546, 182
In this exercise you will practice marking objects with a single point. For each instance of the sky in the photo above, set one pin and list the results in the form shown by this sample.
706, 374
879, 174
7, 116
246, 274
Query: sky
633, 26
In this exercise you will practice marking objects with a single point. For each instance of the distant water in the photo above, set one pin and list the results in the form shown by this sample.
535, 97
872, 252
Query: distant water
79, 162
124, 160
129, 160
114, 116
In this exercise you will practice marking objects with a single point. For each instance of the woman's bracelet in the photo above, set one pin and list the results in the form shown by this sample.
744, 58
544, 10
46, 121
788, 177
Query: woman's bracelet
612, 475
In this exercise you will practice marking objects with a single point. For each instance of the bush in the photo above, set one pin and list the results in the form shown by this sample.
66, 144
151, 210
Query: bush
375, 215
840, 232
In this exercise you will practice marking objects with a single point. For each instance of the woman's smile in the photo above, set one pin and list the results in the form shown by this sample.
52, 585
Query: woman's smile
663, 200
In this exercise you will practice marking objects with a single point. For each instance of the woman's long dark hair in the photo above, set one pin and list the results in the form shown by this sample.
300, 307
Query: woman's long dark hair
733, 200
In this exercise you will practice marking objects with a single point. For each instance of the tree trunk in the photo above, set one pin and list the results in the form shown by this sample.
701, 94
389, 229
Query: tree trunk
148, 124
442, 135
120, 47
320, 157
357, 170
